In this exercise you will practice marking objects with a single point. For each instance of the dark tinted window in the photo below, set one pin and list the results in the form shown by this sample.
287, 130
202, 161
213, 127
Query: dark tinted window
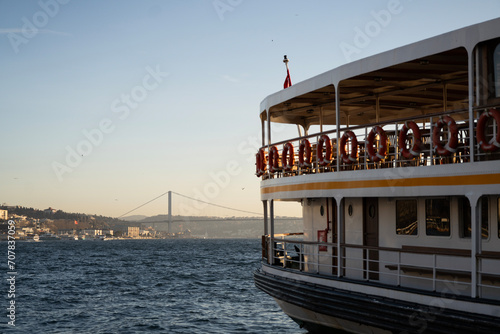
437, 216
406, 217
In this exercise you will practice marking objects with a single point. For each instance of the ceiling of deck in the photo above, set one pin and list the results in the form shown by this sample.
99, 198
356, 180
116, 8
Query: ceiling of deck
413, 88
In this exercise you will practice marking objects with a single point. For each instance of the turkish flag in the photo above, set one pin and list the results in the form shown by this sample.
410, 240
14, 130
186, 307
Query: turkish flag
288, 81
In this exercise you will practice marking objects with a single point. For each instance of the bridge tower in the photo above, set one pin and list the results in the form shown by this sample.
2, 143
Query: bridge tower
169, 211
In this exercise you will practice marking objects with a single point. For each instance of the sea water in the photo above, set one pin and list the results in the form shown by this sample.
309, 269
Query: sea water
140, 286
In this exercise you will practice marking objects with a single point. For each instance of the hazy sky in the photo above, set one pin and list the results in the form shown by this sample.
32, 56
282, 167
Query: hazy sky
107, 104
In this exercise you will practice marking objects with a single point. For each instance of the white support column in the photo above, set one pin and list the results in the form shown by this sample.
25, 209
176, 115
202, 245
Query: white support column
263, 126
266, 231
321, 119
271, 215
475, 241
479, 247
445, 96
299, 130
268, 138
471, 103
340, 234
337, 121
266, 221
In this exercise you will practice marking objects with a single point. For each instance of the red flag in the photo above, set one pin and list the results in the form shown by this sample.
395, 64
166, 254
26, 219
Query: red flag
288, 81
76, 223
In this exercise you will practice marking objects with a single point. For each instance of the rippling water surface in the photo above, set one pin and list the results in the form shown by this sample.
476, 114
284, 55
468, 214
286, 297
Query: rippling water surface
142, 286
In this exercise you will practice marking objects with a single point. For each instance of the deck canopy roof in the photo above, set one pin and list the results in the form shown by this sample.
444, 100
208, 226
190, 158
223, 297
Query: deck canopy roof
421, 78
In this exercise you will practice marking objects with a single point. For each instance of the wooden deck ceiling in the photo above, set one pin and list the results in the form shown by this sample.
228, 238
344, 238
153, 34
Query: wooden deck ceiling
418, 87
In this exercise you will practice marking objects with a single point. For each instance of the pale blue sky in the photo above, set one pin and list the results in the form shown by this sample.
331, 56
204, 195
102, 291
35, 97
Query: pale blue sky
169, 91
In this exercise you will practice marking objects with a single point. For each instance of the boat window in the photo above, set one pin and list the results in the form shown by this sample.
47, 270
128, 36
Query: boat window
496, 69
437, 216
406, 217
464, 213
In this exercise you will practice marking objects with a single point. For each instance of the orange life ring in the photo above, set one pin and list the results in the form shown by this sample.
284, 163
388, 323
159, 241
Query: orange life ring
494, 143
414, 151
305, 153
451, 145
274, 159
381, 153
287, 157
353, 156
260, 164
327, 158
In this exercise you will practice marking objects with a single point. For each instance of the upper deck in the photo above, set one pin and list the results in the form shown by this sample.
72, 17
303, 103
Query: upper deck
417, 116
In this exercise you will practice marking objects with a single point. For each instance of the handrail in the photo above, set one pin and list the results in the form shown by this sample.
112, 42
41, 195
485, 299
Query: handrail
404, 249
463, 149
430, 266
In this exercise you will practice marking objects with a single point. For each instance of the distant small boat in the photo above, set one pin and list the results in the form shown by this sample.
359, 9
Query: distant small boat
33, 238
49, 237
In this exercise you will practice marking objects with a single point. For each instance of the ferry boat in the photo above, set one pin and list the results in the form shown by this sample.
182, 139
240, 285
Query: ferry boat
396, 167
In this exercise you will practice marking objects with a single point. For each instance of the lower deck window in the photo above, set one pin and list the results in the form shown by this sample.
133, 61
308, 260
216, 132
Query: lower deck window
437, 216
406, 217
465, 217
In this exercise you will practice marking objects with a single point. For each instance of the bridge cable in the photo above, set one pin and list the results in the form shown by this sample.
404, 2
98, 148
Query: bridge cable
220, 206
191, 198
140, 206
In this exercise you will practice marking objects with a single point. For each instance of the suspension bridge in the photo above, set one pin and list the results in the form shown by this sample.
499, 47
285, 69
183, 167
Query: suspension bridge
256, 216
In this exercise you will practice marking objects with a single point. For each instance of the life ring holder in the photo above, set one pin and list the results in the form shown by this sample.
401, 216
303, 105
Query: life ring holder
494, 143
274, 159
414, 151
324, 160
305, 152
353, 156
287, 157
260, 164
451, 145
381, 153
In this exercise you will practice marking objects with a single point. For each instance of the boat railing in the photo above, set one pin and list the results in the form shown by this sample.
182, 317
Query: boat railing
431, 139
445, 271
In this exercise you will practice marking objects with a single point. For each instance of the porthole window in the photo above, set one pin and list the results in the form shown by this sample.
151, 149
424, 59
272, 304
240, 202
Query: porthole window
372, 211
350, 210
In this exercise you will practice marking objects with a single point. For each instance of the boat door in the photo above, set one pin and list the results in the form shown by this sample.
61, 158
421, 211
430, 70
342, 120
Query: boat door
370, 237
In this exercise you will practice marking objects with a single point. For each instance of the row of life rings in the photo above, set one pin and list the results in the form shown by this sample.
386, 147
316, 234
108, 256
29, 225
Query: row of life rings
378, 151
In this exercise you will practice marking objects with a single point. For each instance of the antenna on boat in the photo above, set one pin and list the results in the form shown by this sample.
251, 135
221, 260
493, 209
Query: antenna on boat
288, 81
